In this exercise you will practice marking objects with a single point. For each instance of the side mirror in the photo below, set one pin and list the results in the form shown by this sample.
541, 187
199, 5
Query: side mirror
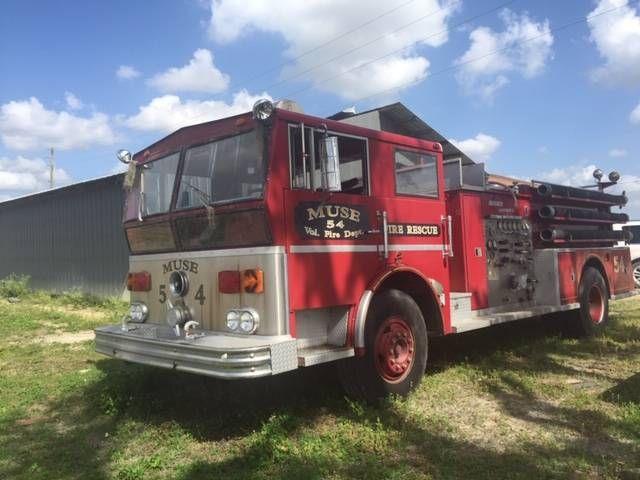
330, 158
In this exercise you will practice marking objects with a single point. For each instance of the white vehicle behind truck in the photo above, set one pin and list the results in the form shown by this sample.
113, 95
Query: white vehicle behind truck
634, 247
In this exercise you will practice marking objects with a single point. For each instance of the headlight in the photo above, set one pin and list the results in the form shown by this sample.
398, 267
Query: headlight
244, 320
262, 109
247, 322
179, 283
233, 320
138, 312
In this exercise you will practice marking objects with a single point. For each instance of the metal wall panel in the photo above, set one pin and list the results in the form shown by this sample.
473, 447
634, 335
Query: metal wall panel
70, 238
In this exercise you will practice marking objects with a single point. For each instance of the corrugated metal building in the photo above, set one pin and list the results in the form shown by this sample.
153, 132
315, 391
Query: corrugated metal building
69, 238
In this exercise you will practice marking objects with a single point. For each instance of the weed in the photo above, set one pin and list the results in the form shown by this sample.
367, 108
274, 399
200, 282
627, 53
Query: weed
14, 286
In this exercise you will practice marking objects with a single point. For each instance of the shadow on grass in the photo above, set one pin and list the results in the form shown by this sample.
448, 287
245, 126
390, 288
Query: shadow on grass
273, 419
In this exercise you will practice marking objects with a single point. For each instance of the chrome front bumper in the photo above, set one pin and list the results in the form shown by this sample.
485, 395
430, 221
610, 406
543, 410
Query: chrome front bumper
208, 353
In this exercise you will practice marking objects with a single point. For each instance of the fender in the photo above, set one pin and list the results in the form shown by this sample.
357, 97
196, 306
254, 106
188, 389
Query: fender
597, 262
436, 288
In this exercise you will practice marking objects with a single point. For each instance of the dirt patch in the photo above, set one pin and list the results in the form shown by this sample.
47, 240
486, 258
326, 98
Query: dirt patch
66, 337
70, 310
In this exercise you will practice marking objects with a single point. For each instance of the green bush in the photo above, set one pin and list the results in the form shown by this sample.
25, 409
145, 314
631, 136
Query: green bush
78, 299
14, 286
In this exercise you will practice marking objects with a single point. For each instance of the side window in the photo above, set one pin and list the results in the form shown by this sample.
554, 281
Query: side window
306, 170
416, 174
301, 163
353, 164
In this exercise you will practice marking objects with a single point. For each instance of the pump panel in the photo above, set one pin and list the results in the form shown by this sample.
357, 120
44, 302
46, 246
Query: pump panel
509, 260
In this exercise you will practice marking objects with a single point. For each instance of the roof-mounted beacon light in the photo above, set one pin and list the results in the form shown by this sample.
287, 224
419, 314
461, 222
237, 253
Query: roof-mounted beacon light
124, 156
614, 176
598, 174
263, 109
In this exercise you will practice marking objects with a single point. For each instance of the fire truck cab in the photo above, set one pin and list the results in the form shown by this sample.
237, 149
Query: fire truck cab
274, 240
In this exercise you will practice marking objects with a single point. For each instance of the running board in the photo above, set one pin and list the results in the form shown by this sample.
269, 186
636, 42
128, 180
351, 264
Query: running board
480, 319
325, 353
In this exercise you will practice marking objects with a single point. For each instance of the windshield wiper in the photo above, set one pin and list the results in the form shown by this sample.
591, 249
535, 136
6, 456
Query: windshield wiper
205, 200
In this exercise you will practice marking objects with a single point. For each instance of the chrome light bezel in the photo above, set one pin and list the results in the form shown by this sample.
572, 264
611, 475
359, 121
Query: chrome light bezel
178, 283
239, 312
142, 308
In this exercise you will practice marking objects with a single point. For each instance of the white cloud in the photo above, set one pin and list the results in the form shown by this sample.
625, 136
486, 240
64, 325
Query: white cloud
22, 175
169, 112
127, 72
617, 152
28, 125
308, 24
524, 47
573, 175
73, 102
480, 148
616, 35
199, 75
634, 116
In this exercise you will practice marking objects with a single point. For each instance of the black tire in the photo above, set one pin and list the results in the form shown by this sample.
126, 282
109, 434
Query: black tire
393, 317
593, 315
635, 268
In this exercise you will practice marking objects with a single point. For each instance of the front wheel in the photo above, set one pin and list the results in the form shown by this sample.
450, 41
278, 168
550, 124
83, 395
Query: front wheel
636, 273
593, 314
395, 350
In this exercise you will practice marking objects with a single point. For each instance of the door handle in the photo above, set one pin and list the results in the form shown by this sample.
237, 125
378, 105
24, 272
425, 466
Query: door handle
385, 234
447, 248
384, 230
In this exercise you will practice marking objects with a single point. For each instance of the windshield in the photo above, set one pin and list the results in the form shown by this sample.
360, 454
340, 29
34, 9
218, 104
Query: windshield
152, 190
157, 180
224, 170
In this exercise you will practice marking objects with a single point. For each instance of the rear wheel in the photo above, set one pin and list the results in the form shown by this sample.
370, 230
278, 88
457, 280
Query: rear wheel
395, 350
636, 273
593, 314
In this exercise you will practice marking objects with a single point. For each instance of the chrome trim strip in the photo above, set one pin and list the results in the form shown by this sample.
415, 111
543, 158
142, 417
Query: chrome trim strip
361, 317
231, 252
285, 294
415, 247
474, 322
565, 250
393, 247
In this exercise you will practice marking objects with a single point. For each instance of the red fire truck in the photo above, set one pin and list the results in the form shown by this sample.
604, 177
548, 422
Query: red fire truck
274, 240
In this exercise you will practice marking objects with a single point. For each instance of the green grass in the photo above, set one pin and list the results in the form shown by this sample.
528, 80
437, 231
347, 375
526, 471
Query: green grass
516, 401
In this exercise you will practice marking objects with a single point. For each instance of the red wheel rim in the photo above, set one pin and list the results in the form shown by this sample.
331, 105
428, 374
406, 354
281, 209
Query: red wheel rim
596, 304
394, 349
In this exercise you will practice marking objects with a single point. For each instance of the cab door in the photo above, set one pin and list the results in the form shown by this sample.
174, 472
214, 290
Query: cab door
412, 195
333, 238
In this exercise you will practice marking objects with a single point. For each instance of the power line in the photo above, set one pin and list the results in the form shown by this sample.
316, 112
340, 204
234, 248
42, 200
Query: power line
376, 59
371, 42
332, 40
493, 52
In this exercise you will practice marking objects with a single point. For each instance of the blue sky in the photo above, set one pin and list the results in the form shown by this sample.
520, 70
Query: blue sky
510, 82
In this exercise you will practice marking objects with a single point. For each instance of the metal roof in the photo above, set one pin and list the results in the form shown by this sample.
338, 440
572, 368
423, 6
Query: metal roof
397, 118
70, 186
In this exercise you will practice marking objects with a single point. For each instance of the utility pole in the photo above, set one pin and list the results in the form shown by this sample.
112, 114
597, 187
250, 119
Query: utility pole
52, 167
